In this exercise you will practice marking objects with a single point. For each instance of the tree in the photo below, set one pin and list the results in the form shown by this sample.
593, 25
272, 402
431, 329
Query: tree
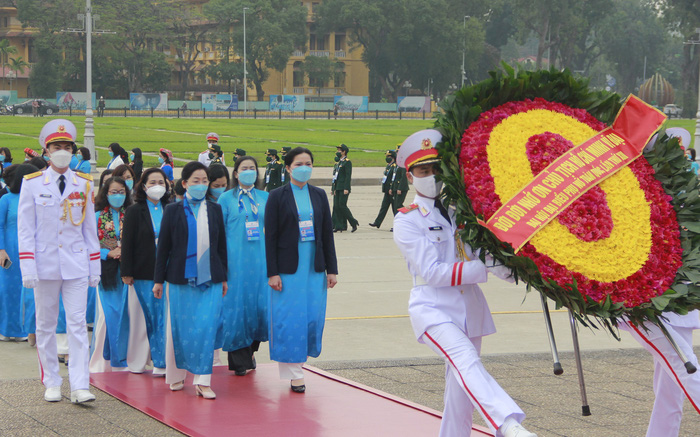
406, 41
5, 50
229, 72
274, 29
17, 65
319, 70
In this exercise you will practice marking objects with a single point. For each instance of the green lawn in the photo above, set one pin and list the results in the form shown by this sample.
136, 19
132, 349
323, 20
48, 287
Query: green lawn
367, 139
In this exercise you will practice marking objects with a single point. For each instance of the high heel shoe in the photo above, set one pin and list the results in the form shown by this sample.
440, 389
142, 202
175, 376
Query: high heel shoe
298, 388
205, 392
177, 386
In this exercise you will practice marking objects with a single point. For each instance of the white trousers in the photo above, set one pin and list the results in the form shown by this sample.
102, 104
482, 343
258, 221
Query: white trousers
62, 344
138, 353
467, 383
172, 373
74, 294
672, 383
291, 371
98, 364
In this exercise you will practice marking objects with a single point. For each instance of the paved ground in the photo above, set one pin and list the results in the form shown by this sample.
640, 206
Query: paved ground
368, 339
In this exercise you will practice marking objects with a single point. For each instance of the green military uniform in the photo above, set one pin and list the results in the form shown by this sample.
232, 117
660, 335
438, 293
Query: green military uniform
285, 173
343, 178
388, 178
273, 170
237, 154
399, 184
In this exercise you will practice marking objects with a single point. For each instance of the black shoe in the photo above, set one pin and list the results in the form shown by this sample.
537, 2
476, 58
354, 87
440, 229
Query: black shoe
298, 388
240, 372
354, 227
391, 230
255, 364
374, 225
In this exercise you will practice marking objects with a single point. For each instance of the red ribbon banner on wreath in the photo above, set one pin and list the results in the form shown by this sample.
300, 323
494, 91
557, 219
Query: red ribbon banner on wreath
575, 172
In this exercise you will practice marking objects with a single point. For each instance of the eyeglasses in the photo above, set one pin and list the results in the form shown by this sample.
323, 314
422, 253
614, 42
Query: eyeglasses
110, 192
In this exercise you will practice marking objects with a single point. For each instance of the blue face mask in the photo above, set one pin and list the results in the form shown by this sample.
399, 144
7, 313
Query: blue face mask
116, 200
197, 192
130, 183
177, 199
247, 177
2, 158
46, 158
161, 160
111, 154
302, 173
216, 192
131, 157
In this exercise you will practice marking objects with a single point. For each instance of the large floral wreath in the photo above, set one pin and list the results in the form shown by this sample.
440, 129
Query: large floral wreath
628, 247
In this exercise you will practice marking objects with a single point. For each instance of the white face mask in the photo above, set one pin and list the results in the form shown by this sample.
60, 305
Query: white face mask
155, 192
427, 186
61, 158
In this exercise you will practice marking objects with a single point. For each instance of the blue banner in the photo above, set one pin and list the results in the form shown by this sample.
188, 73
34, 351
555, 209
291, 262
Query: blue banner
155, 101
8, 97
74, 100
220, 102
413, 104
288, 103
351, 103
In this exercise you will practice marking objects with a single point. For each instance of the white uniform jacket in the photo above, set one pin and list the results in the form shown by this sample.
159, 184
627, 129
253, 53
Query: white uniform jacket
206, 160
444, 288
47, 231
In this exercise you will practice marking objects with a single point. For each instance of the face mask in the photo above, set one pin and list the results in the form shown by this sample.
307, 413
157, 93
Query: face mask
211, 155
302, 173
2, 158
131, 157
389, 159
337, 159
177, 199
247, 177
269, 159
46, 158
26, 159
161, 160
111, 154
155, 192
427, 186
130, 183
116, 200
197, 192
217, 192
61, 158
338, 154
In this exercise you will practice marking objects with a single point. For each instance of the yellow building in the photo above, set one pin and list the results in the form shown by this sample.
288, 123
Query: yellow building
21, 39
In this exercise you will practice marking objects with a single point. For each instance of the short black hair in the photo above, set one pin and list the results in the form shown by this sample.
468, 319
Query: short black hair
192, 167
241, 160
289, 157
8, 175
693, 154
217, 171
104, 175
178, 188
121, 170
85, 152
139, 192
8, 155
38, 162
19, 172
101, 201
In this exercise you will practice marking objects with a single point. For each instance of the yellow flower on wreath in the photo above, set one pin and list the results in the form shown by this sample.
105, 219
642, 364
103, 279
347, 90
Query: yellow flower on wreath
627, 248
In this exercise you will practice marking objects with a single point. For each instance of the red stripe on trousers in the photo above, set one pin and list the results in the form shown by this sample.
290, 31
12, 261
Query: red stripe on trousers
493, 423
41, 366
668, 364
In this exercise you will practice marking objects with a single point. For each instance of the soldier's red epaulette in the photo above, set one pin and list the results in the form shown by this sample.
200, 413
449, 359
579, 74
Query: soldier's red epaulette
83, 175
408, 208
36, 174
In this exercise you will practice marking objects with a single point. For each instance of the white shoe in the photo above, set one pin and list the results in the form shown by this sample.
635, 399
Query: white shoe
81, 396
518, 431
158, 371
53, 394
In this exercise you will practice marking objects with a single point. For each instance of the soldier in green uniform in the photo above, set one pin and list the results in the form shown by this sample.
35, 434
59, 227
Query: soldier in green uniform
216, 155
388, 178
273, 170
399, 188
237, 154
337, 227
285, 173
341, 192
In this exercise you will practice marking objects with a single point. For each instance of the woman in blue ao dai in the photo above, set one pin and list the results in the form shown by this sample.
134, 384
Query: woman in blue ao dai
11, 325
112, 328
301, 266
244, 317
191, 258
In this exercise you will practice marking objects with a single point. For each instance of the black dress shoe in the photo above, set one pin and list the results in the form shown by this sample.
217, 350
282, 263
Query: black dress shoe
299, 388
240, 372
374, 225
255, 364
354, 228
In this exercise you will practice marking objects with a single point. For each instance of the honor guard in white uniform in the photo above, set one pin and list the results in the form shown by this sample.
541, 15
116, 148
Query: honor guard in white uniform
210, 154
59, 256
448, 311
672, 382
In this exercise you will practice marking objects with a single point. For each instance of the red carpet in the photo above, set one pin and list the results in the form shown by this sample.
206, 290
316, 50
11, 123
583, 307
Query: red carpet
263, 405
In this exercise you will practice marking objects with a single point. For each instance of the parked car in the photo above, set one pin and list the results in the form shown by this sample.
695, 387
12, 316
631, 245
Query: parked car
672, 110
46, 107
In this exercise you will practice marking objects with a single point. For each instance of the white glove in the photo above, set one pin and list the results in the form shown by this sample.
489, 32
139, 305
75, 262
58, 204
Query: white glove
30, 281
93, 281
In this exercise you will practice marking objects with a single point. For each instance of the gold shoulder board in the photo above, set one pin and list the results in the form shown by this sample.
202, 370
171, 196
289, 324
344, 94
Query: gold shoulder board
83, 175
36, 174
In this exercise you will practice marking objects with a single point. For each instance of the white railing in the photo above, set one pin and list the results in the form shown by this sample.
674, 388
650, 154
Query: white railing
298, 53
320, 53
298, 90
340, 53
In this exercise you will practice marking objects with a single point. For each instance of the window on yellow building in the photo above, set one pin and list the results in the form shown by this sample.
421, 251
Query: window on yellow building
339, 42
298, 75
339, 76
